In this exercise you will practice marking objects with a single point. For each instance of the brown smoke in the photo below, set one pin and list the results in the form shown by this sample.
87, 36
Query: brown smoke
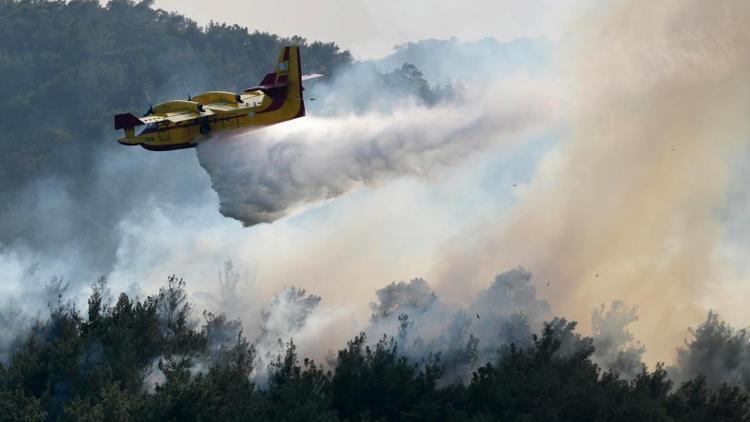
626, 207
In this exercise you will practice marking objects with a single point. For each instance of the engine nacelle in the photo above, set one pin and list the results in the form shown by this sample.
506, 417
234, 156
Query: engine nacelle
177, 106
217, 97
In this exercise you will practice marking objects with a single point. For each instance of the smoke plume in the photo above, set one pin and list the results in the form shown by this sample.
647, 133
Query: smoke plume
615, 347
507, 312
625, 208
269, 174
281, 321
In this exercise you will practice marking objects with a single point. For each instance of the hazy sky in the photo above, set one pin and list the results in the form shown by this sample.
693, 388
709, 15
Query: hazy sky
370, 28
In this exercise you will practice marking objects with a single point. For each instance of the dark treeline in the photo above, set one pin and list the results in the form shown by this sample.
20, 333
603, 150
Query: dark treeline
146, 359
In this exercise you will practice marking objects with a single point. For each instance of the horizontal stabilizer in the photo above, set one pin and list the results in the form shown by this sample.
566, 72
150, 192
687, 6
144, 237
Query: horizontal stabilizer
268, 88
127, 121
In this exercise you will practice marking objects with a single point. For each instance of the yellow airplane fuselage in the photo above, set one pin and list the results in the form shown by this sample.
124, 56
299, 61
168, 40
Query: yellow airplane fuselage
183, 124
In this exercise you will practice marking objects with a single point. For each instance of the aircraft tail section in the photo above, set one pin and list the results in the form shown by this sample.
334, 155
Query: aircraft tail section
290, 56
181, 124
128, 122
287, 69
284, 85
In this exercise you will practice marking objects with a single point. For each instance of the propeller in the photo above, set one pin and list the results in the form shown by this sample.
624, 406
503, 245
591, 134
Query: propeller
150, 104
184, 86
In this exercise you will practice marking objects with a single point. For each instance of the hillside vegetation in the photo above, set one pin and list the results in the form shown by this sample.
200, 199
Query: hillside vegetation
67, 67
146, 360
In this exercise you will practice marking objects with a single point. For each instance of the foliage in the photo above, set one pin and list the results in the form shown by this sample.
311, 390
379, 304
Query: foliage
717, 351
149, 360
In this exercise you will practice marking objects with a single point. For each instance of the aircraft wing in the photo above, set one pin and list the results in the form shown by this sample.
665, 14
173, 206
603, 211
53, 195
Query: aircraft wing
152, 119
246, 103
227, 108
185, 116
156, 118
221, 108
311, 76
249, 103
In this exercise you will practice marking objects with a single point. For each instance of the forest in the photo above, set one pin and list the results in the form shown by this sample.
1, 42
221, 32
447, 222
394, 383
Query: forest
67, 67
149, 359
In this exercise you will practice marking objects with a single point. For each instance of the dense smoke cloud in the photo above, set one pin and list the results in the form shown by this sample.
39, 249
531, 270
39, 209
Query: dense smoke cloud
284, 168
368, 128
401, 297
626, 207
20, 311
463, 337
507, 312
285, 316
615, 346
73, 227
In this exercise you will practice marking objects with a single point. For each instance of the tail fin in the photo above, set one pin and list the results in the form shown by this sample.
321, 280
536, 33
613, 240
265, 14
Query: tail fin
284, 85
286, 72
289, 59
128, 122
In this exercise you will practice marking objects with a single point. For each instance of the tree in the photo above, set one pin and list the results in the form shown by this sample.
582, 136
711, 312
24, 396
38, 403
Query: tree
717, 352
380, 383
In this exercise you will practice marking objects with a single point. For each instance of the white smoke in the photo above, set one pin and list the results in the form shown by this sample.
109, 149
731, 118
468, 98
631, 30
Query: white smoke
507, 312
625, 207
276, 171
281, 320
615, 346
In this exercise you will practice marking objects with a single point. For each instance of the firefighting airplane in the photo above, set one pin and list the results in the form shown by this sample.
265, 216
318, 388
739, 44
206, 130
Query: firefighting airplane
183, 124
